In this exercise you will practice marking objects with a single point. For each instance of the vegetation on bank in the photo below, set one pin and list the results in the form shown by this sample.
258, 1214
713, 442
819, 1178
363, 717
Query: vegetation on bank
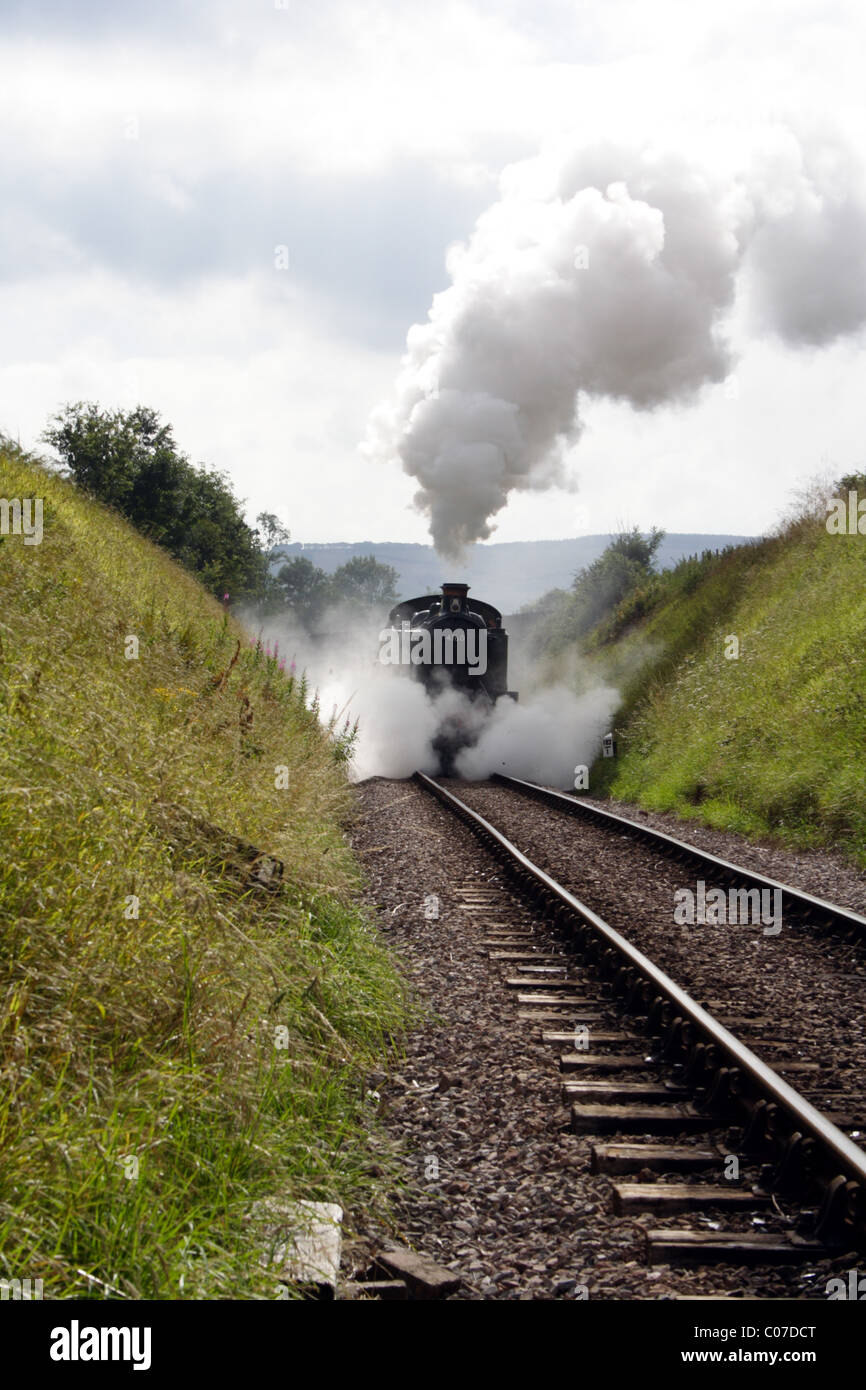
177, 1040
743, 675
129, 460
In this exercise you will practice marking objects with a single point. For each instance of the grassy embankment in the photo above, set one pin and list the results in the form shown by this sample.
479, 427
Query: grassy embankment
148, 1095
772, 743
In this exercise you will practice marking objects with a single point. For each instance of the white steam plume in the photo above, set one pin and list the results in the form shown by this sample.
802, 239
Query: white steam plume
611, 272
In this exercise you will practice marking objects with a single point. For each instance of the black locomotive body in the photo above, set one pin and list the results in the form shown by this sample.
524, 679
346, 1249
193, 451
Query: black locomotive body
451, 642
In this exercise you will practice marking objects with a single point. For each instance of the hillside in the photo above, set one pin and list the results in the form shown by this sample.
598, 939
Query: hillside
508, 574
771, 742
183, 1031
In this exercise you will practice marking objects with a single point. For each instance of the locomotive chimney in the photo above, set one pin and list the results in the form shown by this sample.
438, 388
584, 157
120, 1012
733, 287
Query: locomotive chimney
454, 597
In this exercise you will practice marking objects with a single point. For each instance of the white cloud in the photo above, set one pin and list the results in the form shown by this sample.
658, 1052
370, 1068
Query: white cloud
246, 377
138, 256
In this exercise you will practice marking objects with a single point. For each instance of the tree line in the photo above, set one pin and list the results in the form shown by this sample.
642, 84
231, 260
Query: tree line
598, 590
362, 584
130, 461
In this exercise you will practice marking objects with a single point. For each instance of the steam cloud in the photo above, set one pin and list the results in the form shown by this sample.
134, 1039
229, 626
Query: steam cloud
543, 737
612, 272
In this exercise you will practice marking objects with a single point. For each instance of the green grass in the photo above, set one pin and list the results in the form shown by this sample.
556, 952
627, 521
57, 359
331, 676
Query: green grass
771, 744
154, 1037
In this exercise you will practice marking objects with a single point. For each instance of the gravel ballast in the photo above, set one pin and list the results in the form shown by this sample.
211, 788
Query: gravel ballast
805, 978
498, 1188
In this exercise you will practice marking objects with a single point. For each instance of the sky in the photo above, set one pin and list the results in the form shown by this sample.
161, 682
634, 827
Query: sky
234, 212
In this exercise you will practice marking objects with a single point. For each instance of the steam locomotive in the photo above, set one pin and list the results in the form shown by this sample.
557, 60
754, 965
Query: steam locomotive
449, 641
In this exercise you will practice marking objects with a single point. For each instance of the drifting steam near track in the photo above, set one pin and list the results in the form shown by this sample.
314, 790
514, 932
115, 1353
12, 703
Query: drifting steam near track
612, 272
543, 738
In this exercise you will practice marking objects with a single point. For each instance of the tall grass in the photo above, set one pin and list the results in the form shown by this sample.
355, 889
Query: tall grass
771, 743
177, 1041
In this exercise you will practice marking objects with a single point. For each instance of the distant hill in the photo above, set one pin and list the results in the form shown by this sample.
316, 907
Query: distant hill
508, 574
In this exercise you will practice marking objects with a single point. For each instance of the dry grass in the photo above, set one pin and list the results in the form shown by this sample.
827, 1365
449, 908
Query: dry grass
152, 1043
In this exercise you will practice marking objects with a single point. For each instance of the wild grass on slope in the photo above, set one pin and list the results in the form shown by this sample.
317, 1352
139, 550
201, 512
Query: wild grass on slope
773, 742
175, 1043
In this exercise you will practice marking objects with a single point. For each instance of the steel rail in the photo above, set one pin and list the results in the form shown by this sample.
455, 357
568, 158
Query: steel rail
802, 1115
574, 806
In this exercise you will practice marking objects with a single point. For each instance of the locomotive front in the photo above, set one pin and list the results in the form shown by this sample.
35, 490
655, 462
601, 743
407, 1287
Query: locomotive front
451, 642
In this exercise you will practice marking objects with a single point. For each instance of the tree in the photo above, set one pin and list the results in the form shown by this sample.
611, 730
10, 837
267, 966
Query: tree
636, 547
597, 589
364, 582
130, 461
106, 450
271, 532
304, 588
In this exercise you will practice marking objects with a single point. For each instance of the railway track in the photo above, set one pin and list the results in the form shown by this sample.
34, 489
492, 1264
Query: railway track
690, 1122
796, 904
